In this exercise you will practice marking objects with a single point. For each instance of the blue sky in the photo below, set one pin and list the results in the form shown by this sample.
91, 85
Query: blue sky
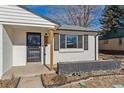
38, 8
46, 10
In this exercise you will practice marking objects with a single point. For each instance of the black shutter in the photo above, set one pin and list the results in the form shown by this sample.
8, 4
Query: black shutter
56, 42
80, 45
85, 42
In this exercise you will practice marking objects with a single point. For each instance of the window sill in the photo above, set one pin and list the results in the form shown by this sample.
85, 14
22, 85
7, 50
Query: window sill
67, 50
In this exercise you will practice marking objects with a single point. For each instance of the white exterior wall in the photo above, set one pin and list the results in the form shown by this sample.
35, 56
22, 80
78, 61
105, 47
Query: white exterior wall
78, 54
113, 44
20, 48
1, 50
17, 35
70, 55
7, 51
19, 55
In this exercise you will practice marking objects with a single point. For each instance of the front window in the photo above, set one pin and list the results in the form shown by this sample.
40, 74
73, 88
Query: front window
71, 41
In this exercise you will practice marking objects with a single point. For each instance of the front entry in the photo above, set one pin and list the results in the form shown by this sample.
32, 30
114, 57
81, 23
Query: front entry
33, 47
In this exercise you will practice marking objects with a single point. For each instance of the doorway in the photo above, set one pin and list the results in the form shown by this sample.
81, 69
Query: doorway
33, 47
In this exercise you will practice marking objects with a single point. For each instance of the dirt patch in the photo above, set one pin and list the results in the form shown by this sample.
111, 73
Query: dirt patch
9, 83
53, 80
97, 82
108, 57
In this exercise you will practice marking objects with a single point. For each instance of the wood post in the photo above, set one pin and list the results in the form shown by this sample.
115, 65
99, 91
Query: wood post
51, 32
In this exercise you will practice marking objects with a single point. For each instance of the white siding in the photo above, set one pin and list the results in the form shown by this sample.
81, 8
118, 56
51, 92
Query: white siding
19, 55
67, 55
113, 44
1, 50
7, 51
16, 14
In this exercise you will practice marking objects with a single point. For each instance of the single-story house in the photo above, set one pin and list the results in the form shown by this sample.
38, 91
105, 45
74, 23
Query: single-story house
112, 42
26, 37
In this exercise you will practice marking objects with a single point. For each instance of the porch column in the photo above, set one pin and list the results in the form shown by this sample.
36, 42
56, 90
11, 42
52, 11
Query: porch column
51, 32
1, 50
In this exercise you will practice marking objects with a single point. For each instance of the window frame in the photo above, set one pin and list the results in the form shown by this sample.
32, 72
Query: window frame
66, 41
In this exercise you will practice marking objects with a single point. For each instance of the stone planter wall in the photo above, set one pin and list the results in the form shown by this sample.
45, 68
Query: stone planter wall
86, 66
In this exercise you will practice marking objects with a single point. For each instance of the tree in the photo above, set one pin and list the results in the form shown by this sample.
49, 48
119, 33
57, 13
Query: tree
112, 18
81, 15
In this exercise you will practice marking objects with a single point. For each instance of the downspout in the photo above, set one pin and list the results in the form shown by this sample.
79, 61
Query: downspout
95, 46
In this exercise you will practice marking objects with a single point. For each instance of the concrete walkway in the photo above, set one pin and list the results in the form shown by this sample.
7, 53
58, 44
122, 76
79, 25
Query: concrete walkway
30, 82
30, 75
31, 69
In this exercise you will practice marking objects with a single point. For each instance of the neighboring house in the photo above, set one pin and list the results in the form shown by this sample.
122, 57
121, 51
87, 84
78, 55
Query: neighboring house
112, 42
22, 35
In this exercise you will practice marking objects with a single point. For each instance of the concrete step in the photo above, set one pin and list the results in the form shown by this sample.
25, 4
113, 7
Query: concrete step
30, 82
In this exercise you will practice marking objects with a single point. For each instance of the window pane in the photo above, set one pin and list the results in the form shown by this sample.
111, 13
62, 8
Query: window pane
62, 41
33, 39
56, 41
85, 42
71, 41
79, 41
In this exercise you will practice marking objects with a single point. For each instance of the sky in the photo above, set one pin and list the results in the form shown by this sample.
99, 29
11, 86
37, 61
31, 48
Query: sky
46, 10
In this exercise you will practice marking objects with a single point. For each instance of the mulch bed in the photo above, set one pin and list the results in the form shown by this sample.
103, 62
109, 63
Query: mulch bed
9, 83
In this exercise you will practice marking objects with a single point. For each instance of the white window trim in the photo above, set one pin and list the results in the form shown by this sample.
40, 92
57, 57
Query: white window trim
80, 49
